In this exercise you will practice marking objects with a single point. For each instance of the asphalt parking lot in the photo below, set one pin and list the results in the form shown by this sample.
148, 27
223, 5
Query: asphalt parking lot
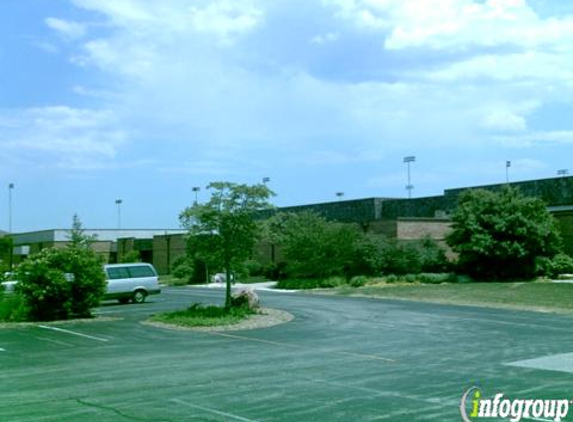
340, 359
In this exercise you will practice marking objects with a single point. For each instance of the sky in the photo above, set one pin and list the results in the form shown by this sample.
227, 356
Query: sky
142, 100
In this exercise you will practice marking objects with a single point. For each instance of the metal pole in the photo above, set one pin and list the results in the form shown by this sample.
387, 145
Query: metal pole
10, 187
507, 166
409, 186
118, 202
196, 189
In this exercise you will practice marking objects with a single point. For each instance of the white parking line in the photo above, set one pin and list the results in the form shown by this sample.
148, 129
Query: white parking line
2, 350
61, 330
214, 411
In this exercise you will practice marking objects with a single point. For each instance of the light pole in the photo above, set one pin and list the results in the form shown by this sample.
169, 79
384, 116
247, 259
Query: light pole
562, 172
409, 186
118, 202
266, 180
10, 188
339, 195
196, 189
507, 166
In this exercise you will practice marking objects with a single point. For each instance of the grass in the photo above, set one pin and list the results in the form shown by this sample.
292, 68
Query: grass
199, 315
539, 296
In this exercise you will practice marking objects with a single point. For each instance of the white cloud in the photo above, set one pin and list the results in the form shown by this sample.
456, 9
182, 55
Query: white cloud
225, 19
325, 38
68, 29
555, 137
60, 136
505, 120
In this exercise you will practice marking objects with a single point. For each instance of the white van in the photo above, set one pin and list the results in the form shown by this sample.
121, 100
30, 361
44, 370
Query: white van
134, 282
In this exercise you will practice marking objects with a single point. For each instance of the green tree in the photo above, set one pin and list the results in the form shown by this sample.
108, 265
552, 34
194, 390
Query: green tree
60, 283
223, 231
6, 246
78, 237
499, 235
313, 246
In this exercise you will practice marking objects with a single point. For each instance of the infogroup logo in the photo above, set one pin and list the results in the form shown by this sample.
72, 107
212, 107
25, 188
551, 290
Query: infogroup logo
475, 407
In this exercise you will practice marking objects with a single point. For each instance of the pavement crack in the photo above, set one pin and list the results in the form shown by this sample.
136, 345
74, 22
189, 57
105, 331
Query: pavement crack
118, 412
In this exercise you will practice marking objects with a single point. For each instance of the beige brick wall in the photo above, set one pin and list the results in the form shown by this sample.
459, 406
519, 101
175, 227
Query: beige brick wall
413, 229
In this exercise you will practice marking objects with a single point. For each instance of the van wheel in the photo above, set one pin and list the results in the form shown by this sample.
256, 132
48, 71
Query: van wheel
139, 296
123, 300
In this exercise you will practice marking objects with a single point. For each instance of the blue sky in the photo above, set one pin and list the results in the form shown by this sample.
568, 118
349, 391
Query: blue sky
143, 100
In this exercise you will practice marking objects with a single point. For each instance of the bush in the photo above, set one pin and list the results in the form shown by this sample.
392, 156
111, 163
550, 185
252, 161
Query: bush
559, 264
424, 278
313, 247
183, 268
501, 235
131, 256
245, 298
311, 283
358, 281
60, 283
377, 254
12, 308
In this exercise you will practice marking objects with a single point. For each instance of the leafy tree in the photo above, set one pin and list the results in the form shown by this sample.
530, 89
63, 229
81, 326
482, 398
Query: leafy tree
60, 283
78, 237
377, 254
314, 247
223, 231
499, 235
6, 245
131, 256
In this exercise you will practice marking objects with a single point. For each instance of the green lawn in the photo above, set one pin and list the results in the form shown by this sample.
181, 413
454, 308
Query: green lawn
538, 296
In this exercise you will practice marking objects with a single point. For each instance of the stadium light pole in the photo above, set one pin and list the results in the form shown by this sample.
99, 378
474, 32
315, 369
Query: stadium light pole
507, 166
196, 189
118, 202
339, 195
10, 189
562, 172
266, 180
409, 186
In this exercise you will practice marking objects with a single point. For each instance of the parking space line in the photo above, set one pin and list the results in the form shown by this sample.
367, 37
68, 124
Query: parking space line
61, 330
213, 411
2, 350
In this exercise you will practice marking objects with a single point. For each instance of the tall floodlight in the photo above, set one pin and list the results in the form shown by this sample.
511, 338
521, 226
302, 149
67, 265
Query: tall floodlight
562, 172
339, 195
196, 189
409, 186
507, 166
10, 188
118, 202
266, 180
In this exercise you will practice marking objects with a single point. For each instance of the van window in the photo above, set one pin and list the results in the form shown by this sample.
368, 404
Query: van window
141, 271
115, 273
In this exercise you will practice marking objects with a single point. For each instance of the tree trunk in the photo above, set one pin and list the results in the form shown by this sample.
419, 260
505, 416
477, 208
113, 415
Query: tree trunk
228, 286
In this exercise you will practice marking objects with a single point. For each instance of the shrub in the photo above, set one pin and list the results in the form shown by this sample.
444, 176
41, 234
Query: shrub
60, 283
12, 308
245, 298
183, 268
358, 281
311, 283
500, 235
437, 278
314, 247
377, 254
559, 264
131, 256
